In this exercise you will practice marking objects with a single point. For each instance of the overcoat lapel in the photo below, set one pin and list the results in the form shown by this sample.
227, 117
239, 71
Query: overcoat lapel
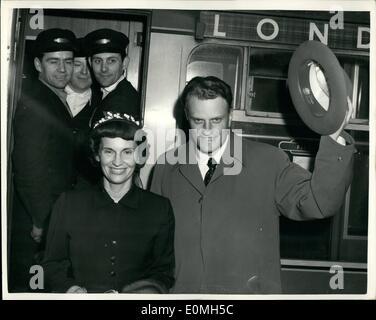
233, 156
190, 170
230, 157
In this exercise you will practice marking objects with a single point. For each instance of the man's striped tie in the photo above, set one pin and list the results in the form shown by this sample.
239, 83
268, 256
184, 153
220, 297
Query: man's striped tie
212, 165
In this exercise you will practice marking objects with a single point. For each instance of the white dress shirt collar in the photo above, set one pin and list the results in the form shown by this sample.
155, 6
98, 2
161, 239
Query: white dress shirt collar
202, 158
112, 87
77, 100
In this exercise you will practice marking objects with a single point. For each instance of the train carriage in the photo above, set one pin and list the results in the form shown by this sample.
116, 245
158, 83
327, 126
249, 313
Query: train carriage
251, 51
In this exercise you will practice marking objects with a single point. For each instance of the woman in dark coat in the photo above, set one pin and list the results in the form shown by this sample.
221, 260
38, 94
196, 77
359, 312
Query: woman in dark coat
114, 237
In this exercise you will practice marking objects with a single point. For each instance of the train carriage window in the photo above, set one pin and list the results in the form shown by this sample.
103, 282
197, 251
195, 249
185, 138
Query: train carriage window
356, 216
224, 62
357, 69
341, 237
309, 240
267, 92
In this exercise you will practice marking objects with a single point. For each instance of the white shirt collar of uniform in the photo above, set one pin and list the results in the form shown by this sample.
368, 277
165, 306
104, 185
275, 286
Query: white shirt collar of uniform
112, 87
202, 158
77, 100
62, 95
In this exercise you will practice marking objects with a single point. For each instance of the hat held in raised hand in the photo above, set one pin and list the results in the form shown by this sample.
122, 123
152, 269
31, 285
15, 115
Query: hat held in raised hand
319, 87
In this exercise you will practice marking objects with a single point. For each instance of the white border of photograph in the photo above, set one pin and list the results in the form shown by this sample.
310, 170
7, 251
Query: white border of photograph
6, 22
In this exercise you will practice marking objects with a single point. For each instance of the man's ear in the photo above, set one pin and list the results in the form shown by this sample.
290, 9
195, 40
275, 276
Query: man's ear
96, 157
37, 64
89, 60
230, 117
125, 63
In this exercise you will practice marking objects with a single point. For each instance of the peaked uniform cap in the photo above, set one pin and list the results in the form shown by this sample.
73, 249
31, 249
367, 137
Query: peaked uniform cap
52, 40
106, 40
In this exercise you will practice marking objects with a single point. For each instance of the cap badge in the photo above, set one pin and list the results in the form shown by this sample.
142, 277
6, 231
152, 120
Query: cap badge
61, 40
103, 41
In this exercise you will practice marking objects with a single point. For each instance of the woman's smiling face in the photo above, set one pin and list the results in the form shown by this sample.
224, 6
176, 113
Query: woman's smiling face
117, 159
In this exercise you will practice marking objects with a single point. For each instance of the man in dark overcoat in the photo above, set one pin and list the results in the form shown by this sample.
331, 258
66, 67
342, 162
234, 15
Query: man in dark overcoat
43, 152
82, 97
228, 192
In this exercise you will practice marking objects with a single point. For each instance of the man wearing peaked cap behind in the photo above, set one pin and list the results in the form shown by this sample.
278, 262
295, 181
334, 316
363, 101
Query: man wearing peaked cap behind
43, 153
82, 97
108, 59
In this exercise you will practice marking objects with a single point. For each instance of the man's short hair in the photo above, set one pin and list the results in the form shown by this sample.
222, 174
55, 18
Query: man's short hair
205, 88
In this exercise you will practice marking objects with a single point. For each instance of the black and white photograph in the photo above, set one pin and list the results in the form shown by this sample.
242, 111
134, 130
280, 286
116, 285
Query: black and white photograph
187, 149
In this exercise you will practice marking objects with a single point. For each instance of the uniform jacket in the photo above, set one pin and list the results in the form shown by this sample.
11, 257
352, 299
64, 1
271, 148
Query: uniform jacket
43, 154
82, 119
81, 125
227, 234
124, 99
101, 245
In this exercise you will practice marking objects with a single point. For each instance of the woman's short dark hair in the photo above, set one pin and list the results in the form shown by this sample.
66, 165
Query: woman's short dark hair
113, 129
206, 88
117, 129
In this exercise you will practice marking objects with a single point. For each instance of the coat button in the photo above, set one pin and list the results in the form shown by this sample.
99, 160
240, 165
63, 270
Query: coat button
105, 245
113, 258
112, 273
114, 242
339, 158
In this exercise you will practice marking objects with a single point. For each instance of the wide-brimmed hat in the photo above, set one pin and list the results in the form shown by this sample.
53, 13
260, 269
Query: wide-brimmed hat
319, 87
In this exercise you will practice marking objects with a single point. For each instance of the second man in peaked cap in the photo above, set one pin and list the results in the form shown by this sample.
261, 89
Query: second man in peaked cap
109, 61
